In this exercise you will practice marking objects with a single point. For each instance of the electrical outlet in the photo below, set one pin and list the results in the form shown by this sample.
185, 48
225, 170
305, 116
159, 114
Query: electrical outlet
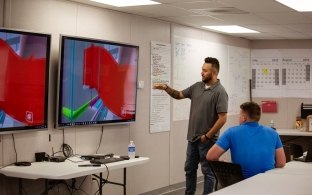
141, 84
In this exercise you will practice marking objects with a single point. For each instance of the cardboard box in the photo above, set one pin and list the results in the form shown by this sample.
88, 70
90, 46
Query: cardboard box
309, 123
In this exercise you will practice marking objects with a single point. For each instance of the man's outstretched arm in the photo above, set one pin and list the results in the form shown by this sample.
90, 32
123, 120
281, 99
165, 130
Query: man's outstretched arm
172, 92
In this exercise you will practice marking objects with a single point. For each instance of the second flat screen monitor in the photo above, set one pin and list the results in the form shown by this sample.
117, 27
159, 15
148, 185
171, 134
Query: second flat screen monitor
97, 83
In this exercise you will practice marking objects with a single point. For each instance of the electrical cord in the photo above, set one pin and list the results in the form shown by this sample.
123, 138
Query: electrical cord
53, 153
100, 141
82, 182
14, 147
79, 188
107, 173
101, 185
66, 149
97, 184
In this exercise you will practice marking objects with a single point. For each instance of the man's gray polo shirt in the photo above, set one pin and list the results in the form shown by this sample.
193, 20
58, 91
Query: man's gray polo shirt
205, 106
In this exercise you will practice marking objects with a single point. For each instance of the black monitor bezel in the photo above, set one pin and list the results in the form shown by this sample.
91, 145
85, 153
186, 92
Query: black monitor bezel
59, 125
44, 126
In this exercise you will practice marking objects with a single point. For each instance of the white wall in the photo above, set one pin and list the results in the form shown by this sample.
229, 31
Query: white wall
281, 44
166, 150
287, 111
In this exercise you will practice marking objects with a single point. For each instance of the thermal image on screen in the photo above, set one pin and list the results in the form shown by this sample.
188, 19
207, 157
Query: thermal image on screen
23, 65
98, 82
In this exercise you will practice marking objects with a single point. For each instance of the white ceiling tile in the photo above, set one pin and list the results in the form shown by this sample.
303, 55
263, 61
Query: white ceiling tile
257, 5
300, 27
88, 2
268, 28
261, 36
172, 1
242, 19
198, 5
291, 35
197, 21
158, 10
285, 17
309, 35
307, 14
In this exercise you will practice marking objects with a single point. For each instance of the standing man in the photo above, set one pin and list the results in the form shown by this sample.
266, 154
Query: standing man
208, 113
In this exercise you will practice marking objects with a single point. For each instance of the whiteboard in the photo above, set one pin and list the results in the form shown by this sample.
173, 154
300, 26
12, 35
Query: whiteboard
188, 58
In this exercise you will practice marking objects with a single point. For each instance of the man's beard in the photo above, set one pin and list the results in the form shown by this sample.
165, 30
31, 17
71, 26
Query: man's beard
207, 79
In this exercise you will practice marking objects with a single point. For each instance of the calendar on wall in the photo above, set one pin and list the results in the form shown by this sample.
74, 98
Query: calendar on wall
296, 73
265, 73
281, 73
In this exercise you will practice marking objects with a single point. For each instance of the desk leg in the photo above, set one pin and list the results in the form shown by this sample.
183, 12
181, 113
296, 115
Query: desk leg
20, 186
46, 190
104, 181
101, 183
125, 181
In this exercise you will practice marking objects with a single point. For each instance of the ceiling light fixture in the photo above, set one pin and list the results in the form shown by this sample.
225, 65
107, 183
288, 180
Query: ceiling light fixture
125, 3
299, 5
231, 29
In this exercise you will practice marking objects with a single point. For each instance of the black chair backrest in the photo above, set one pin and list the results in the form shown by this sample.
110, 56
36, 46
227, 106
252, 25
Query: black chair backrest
309, 154
226, 173
296, 150
287, 152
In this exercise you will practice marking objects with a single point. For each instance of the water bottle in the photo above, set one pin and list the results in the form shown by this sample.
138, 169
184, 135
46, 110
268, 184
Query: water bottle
271, 124
131, 150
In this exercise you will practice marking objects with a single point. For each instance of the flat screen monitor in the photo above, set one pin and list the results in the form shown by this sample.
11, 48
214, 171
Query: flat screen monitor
97, 82
24, 79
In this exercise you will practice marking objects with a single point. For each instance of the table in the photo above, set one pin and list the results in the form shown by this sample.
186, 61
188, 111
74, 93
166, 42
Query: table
294, 179
302, 138
293, 132
270, 184
67, 170
294, 167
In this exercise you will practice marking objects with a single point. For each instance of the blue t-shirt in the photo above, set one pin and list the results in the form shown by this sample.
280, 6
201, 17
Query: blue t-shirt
252, 147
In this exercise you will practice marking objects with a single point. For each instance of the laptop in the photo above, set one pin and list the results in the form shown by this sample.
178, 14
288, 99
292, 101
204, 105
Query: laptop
307, 157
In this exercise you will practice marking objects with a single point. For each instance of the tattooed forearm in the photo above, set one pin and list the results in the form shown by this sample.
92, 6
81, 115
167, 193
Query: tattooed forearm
173, 93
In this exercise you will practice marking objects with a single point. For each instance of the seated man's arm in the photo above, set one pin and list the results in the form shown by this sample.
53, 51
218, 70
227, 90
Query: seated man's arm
280, 159
215, 152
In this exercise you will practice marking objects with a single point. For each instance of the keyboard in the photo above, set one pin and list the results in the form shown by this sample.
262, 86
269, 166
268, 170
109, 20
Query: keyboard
96, 156
106, 160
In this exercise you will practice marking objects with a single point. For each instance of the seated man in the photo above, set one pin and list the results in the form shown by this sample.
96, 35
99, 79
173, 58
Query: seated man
256, 148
